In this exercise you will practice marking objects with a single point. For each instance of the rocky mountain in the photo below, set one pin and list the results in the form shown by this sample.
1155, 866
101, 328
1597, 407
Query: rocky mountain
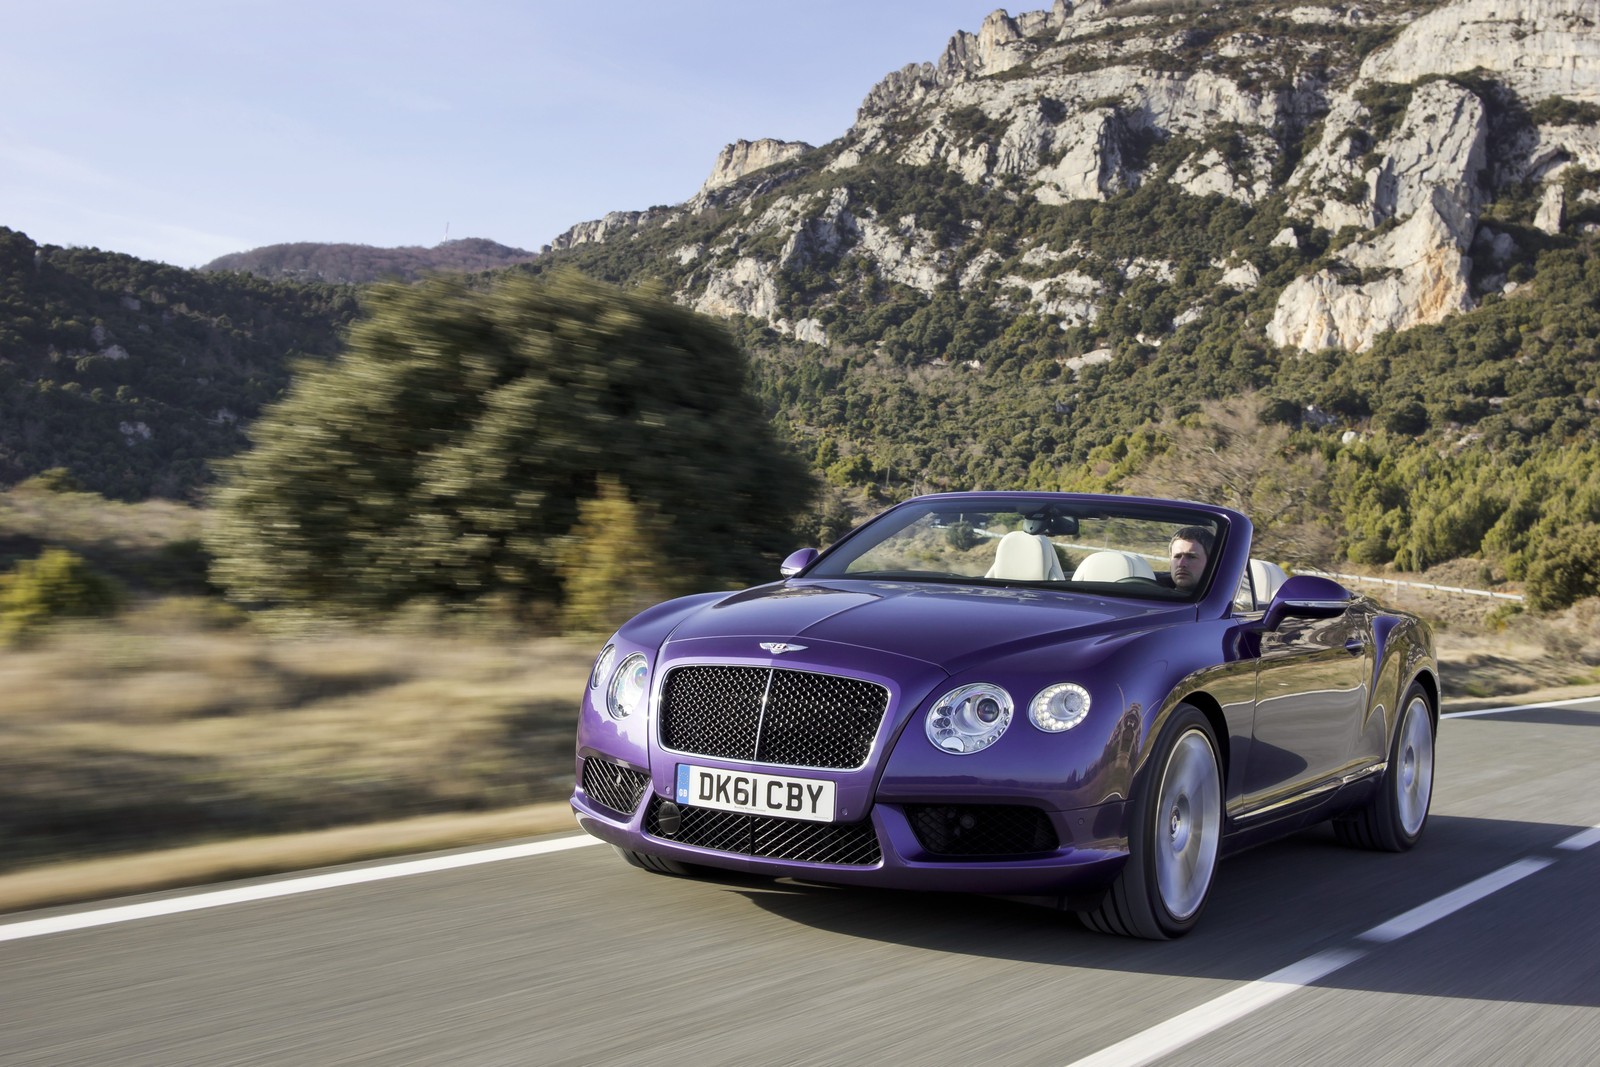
1385, 135
349, 264
1062, 252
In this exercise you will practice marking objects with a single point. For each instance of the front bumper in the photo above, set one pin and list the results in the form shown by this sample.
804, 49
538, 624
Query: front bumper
1006, 848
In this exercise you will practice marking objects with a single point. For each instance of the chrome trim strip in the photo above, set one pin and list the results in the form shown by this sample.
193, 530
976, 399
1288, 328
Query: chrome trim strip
1315, 791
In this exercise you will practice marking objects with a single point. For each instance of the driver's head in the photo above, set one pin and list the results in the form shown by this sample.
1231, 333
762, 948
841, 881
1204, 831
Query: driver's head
1189, 551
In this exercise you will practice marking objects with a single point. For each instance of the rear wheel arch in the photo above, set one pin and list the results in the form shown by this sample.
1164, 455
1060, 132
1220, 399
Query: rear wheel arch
1430, 686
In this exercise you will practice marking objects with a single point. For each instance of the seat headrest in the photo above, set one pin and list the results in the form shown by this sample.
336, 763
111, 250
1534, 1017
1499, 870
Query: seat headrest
1111, 566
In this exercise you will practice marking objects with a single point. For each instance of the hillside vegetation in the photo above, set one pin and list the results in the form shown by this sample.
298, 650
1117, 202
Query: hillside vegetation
135, 376
353, 264
1058, 257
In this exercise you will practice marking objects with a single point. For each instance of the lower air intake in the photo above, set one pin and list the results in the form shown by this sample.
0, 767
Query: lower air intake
842, 844
967, 830
612, 785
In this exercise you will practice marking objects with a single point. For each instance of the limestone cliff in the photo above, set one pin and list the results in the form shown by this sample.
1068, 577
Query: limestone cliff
1384, 133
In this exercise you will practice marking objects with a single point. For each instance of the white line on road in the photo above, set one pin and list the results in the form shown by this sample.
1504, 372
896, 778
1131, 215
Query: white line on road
219, 898
1180, 1030
1519, 707
1147, 1045
1437, 908
1579, 841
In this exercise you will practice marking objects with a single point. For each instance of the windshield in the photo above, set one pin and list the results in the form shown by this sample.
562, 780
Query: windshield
1135, 550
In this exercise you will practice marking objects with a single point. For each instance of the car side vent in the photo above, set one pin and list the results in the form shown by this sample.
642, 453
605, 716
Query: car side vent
982, 829
612, 785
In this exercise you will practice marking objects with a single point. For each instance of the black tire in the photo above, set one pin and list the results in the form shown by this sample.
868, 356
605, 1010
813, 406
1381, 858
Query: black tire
654, 864
1393, 820
1175, 834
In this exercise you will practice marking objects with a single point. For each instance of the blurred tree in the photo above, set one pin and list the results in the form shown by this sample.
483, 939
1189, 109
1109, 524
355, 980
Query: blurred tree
445, 454
1227, 455
613, 565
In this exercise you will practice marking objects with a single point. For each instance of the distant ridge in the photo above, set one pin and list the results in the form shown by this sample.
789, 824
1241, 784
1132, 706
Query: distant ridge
354, 264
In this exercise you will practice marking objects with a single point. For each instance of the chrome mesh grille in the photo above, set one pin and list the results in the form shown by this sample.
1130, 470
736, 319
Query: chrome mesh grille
843, 844
767, 715
982, 829
611, 785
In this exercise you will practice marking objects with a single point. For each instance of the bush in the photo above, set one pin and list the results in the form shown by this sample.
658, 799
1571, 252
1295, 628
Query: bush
58, 584
1565, 570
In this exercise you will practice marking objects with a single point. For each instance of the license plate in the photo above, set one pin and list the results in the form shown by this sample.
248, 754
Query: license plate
756, 794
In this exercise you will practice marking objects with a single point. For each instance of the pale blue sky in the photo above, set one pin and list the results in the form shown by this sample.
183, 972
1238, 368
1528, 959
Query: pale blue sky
180, 130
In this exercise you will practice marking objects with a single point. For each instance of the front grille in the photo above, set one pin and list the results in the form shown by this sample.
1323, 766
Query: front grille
982, 829
766, 715
844, 844
611, 785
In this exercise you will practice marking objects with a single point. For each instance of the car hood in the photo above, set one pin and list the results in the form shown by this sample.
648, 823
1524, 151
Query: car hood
950, 626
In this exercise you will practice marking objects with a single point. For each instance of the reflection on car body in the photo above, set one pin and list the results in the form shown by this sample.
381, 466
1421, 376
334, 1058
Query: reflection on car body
998, 693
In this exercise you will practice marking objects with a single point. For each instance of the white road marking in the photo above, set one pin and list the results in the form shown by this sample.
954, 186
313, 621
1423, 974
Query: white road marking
1180, 1030
82, 920
1437, 908
1518, 707
1148, 1045
1582, 840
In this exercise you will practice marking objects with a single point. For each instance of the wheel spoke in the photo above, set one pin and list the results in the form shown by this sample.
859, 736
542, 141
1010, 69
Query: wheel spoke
1188, 825
1414, 776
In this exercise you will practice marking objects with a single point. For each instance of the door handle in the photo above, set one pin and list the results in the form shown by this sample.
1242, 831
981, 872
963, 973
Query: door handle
1354, 646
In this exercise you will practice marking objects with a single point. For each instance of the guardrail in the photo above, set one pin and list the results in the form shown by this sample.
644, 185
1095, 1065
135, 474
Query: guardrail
1413, 585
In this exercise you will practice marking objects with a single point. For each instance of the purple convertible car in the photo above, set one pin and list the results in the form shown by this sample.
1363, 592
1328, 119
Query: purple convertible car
1087, 700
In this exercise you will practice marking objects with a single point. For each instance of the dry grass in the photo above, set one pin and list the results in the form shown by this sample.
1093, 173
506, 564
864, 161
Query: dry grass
136, 735
1490, 648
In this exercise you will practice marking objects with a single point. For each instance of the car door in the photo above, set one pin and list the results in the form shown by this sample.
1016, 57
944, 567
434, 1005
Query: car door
1312, 683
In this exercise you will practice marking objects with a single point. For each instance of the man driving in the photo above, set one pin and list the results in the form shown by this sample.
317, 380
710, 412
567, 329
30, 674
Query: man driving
1188, 552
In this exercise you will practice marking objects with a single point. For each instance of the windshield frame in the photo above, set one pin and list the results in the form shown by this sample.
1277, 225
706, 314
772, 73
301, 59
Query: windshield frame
1067, 518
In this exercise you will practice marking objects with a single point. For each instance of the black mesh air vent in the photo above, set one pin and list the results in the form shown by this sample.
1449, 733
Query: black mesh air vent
846, 844
982, 829
611, 785
759, 714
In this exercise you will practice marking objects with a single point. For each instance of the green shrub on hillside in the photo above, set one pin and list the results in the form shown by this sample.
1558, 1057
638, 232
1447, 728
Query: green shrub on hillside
58, 584
1566, 569
614, 564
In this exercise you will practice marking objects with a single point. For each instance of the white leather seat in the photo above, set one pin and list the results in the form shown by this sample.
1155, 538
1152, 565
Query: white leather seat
1109, 566
1266, 578
1025, 557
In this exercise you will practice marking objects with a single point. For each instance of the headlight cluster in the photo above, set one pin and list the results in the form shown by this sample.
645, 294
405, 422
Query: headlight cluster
627, 687
973, 717
970, 718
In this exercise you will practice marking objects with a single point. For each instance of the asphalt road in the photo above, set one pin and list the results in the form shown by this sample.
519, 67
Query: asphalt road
1482, 946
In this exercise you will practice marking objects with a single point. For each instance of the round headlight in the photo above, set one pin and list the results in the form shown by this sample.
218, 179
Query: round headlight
969, 719
629, 687
1059, 707
602, 666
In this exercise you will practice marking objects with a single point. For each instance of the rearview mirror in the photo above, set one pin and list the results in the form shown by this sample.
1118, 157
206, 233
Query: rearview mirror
1305, 596
798, 561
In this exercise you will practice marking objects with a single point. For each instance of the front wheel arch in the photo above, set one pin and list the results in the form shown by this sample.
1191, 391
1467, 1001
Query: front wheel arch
1175, 825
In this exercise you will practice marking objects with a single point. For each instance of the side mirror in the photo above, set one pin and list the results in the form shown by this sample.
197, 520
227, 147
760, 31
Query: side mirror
798, 561
1305, 596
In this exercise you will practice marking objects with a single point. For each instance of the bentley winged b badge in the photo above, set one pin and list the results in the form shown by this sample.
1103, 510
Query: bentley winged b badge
778, 648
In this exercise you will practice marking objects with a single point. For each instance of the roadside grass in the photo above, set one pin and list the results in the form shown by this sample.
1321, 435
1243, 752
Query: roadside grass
130, 734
